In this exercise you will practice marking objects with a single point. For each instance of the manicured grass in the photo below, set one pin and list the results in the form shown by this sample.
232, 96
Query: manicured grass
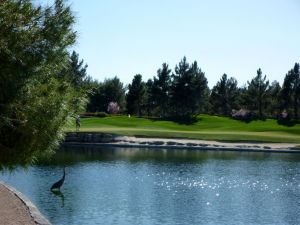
206, 128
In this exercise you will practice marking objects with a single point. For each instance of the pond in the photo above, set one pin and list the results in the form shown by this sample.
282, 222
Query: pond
144, 186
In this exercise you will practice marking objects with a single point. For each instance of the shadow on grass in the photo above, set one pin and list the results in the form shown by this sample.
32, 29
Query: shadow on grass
182, 120
250, 119
288, 122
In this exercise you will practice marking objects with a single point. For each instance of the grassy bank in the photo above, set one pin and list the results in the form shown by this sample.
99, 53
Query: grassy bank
206, 128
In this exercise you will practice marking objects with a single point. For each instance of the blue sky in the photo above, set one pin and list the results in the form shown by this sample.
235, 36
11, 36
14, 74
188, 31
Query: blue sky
236, 37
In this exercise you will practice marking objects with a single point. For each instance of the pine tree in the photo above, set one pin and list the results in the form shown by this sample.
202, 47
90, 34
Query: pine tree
200, 90
160, 90
148, 101
135, 95
290, 93
188, 89
274, 107
102, 93
77, 70
224, 96
257, 93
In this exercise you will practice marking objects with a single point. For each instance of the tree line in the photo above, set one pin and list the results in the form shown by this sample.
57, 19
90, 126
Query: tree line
184, 92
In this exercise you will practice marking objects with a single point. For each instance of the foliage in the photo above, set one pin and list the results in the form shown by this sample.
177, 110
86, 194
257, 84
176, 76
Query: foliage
169, 96
184, 93
135, 95
113, 108
111, 90
36, 99
274, 107
95, 96
149, 100
188, 88
290, 93
77, 71
224, 96
257, 94
160, 90
243, 114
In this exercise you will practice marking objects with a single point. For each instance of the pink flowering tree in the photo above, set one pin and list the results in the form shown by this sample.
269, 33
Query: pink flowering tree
113, 108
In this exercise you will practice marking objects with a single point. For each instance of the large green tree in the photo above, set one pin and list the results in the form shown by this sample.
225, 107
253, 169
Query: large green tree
257, 93
135, 95
160, 90
36, 100
77, 71
224, 96
111, 90
188, 90
96, 98
149, 101
274, 107
291, 90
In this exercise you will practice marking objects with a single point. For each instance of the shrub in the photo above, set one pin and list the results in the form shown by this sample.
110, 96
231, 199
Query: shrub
243, 114
101, 114
113, 108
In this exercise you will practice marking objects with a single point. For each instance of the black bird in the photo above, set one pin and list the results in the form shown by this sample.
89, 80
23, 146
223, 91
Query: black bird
58, 184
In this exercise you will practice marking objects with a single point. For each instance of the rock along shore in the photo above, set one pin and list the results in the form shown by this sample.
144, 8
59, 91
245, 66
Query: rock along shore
110, 140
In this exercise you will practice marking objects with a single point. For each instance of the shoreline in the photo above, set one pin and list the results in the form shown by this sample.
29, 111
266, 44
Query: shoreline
109, 140
19, 209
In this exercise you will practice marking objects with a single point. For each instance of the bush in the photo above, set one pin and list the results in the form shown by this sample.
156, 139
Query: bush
243, 114
113, 108
284, 118
101, 114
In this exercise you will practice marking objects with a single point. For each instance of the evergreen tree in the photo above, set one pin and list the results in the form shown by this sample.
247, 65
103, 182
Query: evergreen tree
95, 96
160, 90
291, 90
242, 98
257, 94
188, 89
148, 101
200, 90
274, 107
111, 90
77, 71
135, 95
224, 96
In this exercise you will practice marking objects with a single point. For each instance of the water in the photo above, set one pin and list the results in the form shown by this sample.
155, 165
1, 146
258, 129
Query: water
138, 186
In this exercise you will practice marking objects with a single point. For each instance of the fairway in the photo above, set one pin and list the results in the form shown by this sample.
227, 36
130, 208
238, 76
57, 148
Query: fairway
206, 128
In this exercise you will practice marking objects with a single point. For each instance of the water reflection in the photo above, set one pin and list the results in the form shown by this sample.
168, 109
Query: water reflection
75, 154
60, 195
